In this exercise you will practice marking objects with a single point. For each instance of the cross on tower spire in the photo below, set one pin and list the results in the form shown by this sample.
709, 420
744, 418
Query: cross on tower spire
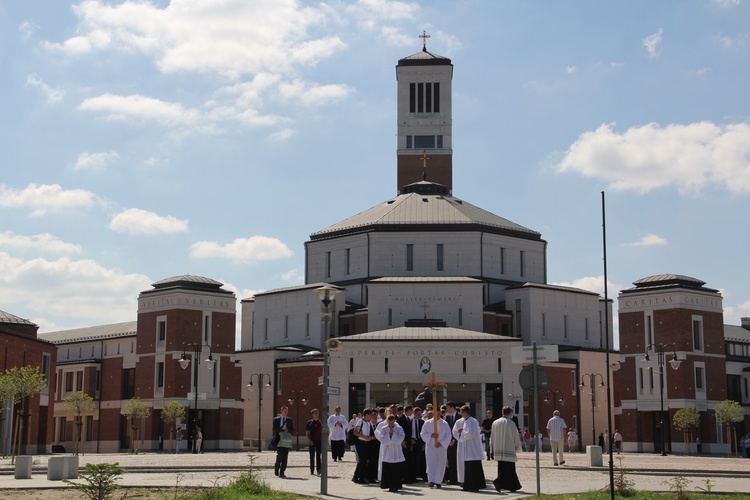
424, 159
424, 36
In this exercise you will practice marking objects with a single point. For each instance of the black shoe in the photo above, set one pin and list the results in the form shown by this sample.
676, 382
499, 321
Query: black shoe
562, 463
275, 473
282, 476
393, 490
438, 485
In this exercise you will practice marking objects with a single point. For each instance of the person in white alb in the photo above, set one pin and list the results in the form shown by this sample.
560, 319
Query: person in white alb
390, 435
470, 453
436, 448
337, 427
556, 428
506, 444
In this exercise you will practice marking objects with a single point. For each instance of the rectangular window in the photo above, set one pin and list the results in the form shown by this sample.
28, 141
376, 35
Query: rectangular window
61, 426
265, 329
640, 379
128, 383
436, 97
518, 318
328, 264
586, 328
412, 98
699, 381
502, 261
278, 382
286, 327
428, 98
89, 427
464, 365
307, 325
98, 380
420, 98
385, 367
499, 365
351, 365
649, 331
160, 374
390, 317
69, 382
651, 381
409, 142
79, 381
544, 324
409, 257
697, 333
460, 316
162, 327
347, 260
206, 328
424, 142
523, 263
573, 383
565, 326
440, 257
439, 142
46, 364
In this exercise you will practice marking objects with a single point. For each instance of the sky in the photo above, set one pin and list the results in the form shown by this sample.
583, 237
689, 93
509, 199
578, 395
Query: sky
141, 140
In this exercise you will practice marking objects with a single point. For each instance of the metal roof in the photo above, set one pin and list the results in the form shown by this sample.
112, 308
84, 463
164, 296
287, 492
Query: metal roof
405, 334
558, 288
8, 318
662, 281
126, 329
426, 279
422, 211
188, 282
423, 58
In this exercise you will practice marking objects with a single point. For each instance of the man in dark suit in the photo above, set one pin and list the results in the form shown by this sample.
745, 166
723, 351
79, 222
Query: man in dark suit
280, 424
452, 416
418, 464
404, 421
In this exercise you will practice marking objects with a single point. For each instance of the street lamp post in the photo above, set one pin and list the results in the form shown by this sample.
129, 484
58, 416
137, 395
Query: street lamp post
326, 294
675, 364
592, 384
184, 363
299, 397
557, 397
259, 380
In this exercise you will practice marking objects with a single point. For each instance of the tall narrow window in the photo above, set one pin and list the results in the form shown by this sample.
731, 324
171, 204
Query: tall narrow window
265, 329
460, 316
649, 331
565, 326
390, 316
286, 327
640, 380
502, 261
328, 264
699, 385
206, 328
160, 374
499, 365
697, 333
412, 98
385, 368
79, 381
89, 427
573, 383
544, 324
586, 328
428, 98
518, 332
464, 365
523, 263
347, 260
162, 331
351, 365
69, 382
409, 257
439, 256
307, 325
436, 97
420, 98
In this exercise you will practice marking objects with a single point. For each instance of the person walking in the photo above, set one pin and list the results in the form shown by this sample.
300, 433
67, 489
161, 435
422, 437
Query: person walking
365, 433
572, 440
178, 443
282, 423
198, 440
556, 431
527, 440
314, 433
506, 445
391, 459
618, 441
601, 441
436, 446
486, 433
337, 427
467, 432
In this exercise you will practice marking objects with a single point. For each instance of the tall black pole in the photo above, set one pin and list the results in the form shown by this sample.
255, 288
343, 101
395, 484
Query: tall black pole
194, 422
260, 409
606, 337
660, 357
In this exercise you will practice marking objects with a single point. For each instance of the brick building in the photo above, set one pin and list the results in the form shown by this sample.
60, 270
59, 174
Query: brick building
20, 347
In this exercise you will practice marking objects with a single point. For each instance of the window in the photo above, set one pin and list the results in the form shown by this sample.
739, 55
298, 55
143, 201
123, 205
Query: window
307, 325
518, 318
351, 365
286, 327
424, 142
460, 316
89, 427
586, 328
565, 326
424, 97
697, 333
328, 264
502, 261
439, 141
699, 380
347, 260
278, 382
265, 329
499, 365
409, 257
439, 256
207, 328
409, 143
128, 383
649, 331
160, 374
98, 380
61, 426
523, 262
69, 382
46, 363
385, 367
544, 324
464, 365
79, 381
161, 327
390, 316
640, 380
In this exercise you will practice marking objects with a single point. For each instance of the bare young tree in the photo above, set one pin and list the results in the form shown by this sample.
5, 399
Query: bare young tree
78, 403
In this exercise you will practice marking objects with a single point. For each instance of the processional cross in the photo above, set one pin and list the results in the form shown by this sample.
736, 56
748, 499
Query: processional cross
432, 386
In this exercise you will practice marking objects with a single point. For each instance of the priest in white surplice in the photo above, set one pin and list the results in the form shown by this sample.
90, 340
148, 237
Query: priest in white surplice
337, 427
436, 452
470, 453
392, 460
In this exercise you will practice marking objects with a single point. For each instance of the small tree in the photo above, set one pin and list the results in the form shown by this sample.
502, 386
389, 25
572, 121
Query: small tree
685, 420
100, 480
24, 382
135, 410
727, 413
171, 413
78, 403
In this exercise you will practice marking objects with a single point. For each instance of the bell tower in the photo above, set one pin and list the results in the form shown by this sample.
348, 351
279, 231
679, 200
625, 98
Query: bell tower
425, 119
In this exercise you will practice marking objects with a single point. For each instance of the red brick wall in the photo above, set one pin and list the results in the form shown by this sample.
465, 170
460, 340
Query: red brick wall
299, 378
439, 169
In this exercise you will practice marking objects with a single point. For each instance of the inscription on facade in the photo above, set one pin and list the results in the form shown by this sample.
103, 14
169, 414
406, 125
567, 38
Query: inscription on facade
415, 352
424, 299
185, 301
670, 300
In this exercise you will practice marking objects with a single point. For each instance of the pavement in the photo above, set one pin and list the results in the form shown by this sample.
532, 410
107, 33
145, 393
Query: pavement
647, 471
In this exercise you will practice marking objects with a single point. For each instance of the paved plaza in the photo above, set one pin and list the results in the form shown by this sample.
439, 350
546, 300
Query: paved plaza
648, 471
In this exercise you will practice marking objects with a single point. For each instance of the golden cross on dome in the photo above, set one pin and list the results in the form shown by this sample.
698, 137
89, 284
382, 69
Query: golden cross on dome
424, 36
424, 159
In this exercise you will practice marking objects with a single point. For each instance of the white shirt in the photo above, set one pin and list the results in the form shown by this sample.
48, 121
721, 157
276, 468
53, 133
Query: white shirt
337, 432
469, 439
556, 427
390, 443
444, 433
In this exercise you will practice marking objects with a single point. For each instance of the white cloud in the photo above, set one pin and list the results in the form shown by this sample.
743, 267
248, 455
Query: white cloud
281, 135
44, 242
647, 157
228, 37
80, 289
570, 70
727, 3
117, 107
45, 198
95, 161
294, 276
733, 314
653, 43
27, 29
137, 221
311, 94
153, 161
737, 42
242, 250
52, 95
702, 71
650, 240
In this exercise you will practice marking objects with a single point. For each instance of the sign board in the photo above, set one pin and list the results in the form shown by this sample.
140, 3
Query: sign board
320, 380
525, 354
201, 396
334, 391
526, 379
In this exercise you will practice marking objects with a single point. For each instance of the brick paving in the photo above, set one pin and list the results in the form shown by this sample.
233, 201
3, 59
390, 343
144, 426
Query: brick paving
647, 471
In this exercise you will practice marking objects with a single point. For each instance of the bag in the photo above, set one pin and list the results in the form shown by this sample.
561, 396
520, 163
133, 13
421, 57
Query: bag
285, 440
351, 439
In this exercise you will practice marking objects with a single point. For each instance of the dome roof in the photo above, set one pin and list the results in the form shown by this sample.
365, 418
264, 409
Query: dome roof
8, 318
424, 58
188, 282
426, 206
663, 281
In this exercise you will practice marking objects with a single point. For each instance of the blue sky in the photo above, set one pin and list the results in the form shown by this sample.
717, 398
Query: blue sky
143, 140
